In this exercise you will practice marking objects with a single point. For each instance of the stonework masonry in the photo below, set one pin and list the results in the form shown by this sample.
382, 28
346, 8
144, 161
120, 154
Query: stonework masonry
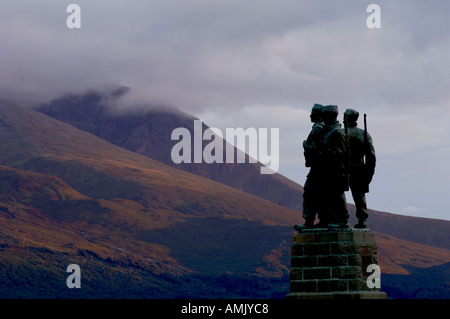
332, 264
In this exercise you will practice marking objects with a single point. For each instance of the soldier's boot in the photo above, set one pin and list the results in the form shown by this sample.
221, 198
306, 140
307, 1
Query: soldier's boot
339, 225
321, 224
307, 225
361, 224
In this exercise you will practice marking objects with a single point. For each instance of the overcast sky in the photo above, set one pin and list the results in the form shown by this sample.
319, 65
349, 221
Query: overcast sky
262, 64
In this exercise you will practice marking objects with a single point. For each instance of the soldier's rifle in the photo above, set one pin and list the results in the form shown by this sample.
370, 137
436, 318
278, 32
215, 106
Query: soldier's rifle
366, 142
366, 146
347, 150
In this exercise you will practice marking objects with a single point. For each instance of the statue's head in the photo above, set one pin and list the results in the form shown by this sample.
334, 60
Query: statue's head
330, 113
351, 116
316, 113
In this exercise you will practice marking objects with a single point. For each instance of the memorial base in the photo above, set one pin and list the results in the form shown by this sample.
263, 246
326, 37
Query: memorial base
337, 295
332, 264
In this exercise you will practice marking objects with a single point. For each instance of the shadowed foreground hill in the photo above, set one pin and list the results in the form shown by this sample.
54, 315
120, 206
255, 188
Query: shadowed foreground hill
68, 195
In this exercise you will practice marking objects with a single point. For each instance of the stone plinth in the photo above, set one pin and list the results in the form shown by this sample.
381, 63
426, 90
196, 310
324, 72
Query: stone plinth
332, 264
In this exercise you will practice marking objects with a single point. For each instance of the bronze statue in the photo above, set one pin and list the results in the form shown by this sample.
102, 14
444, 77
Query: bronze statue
311, 189
327, 181
339, 160
362, 163
334, 170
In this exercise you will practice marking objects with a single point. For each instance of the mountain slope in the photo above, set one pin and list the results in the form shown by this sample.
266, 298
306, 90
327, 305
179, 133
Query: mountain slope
160, 195
427, 231
149, 133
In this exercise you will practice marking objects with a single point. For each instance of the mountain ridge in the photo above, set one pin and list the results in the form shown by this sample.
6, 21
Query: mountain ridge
149, 133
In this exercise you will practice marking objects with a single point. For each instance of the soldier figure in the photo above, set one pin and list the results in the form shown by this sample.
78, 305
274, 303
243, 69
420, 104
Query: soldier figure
362, 164
334, 170
311, 146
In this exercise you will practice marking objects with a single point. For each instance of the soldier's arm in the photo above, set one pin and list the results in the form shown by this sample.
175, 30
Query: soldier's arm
336, 144
370, 156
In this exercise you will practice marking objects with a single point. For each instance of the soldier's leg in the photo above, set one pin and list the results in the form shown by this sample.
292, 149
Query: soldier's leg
336, 211
323, 202
359, 198
342, 213
322, 209
309, 211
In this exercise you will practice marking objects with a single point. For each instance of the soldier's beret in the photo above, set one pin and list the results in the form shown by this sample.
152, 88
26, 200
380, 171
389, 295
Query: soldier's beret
351, 114
330, 109
317, 107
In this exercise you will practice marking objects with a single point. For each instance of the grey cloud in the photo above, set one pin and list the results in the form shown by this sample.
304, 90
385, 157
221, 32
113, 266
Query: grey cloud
154, 46
200, 54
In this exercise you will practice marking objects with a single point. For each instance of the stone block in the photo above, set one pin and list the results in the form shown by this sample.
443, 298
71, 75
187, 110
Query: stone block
304, 238
327, 237
345, 247
369, 237
354, 260
327, 285
303, 285
346, 272
332, 260
357, 284
359, 295
297, 250
304, 261
317, 273
309, 295
317, 249
339, 295
297, 274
